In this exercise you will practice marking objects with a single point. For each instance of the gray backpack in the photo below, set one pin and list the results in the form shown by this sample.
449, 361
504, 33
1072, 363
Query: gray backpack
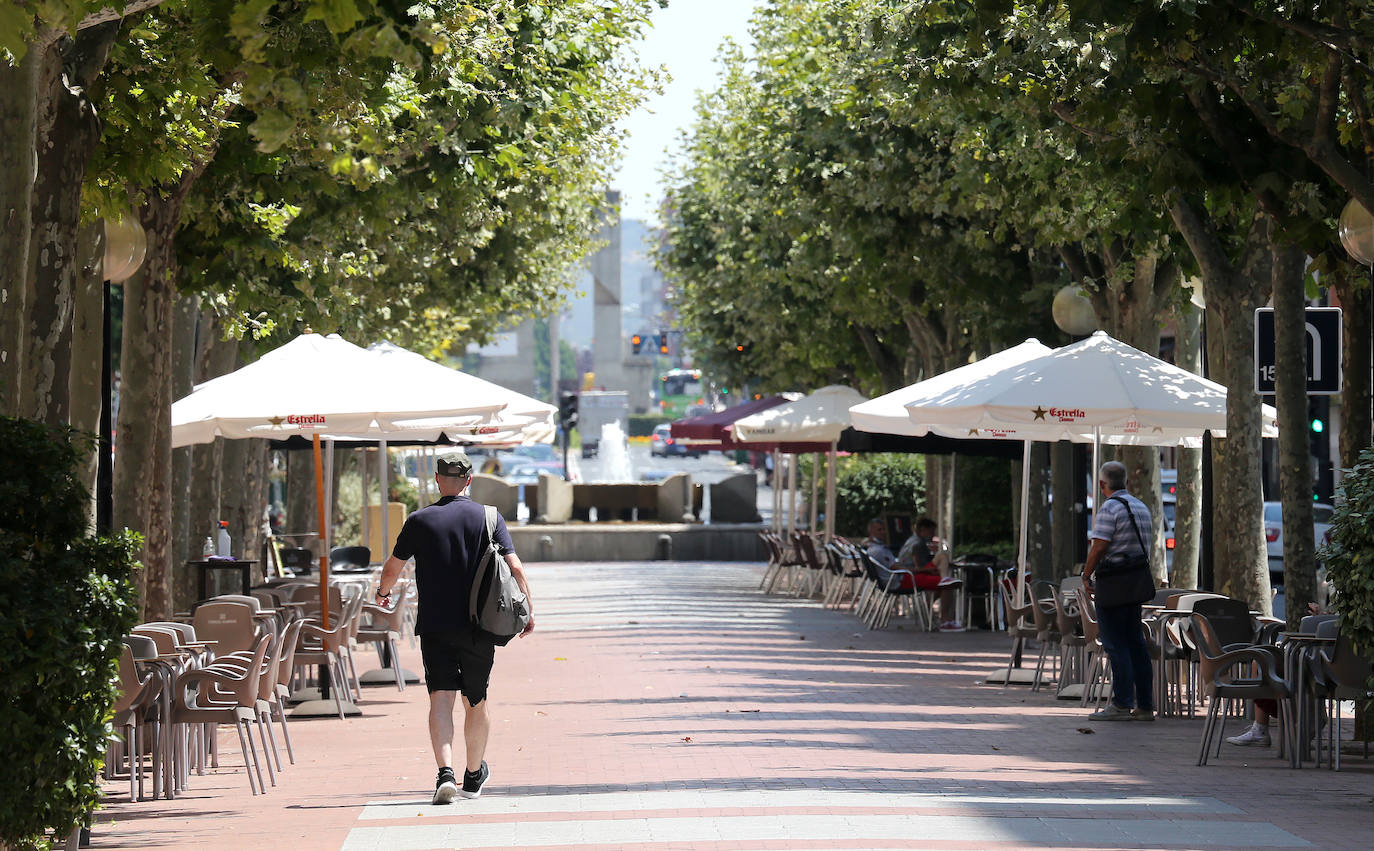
497, 605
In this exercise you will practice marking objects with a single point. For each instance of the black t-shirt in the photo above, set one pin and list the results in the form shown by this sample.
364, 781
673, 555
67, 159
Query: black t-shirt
445, 538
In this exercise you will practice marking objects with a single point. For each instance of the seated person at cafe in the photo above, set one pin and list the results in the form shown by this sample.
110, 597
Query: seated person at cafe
878, 550
923, 555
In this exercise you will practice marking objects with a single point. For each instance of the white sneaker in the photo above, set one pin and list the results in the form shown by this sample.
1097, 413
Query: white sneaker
1256, 735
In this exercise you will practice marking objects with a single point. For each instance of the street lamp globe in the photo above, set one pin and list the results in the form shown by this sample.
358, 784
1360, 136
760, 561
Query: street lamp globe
1356, 228
1072, 312
126, 244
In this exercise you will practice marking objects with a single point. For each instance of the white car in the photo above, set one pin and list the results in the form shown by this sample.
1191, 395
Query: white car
1273, 533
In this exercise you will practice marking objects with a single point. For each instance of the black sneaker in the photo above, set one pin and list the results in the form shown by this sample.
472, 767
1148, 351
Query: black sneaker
445, 787
473, 781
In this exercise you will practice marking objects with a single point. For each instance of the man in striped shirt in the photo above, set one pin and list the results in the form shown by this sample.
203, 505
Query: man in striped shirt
1122, 525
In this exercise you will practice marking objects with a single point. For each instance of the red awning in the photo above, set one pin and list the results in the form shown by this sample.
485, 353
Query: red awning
713, 426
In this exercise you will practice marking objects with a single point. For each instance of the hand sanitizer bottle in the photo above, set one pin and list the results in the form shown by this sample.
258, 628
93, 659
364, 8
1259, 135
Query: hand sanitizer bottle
222, 544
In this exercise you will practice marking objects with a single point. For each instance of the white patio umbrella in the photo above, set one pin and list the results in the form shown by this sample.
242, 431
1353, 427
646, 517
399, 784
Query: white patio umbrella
887, 414
1098, 389
319, 384
816, 418
1098, 386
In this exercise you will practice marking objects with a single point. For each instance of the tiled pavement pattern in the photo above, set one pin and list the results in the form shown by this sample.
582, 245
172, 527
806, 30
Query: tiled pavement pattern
666, 706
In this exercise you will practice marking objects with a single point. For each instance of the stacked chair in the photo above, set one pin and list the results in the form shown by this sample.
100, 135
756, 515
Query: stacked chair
233, 661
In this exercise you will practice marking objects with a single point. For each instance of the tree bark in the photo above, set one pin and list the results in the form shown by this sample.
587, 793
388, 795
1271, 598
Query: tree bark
143, 476
185, 318
1128, 306
18, 168
1233, 290
240, 503
1352, 286
67, 132
88, 340
1188, 497
1039, 544
215, 357
1061, 523
300, 501
1295, 471
934, 475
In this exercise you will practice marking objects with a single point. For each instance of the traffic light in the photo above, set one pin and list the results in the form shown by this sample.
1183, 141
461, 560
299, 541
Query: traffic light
567, 411
663, 342
636, 342
1318, 416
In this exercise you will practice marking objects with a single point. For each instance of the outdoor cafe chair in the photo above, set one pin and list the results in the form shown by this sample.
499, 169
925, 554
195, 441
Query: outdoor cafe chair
812, 579
888, 593
135, 706
326, 647
197, 703
1097, 668
979, 572
1175, 685
1046, 630
1020, 625
271, 618
177, 652
383, 629
1072, 644
352, 558
788, 562
1346, 676
774, 563
229, 625
1242, 673
847, 572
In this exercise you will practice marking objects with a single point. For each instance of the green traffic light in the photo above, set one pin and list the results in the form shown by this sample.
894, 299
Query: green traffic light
1318, 426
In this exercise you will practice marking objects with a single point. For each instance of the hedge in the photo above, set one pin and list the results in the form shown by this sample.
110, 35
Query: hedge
66, 600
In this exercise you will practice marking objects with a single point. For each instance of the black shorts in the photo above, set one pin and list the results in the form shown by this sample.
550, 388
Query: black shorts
457, 661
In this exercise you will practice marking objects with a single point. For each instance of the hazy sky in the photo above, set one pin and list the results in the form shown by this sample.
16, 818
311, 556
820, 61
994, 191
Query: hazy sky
684, 37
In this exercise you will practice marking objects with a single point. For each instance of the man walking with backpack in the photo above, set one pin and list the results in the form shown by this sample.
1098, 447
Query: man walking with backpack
447, 541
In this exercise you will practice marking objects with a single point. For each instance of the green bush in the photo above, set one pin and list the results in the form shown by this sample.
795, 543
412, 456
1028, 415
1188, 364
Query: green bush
983, 504
1349, 557
642, 425
867, 486
66, 599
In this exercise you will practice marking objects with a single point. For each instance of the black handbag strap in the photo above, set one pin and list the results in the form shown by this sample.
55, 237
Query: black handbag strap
1130, 515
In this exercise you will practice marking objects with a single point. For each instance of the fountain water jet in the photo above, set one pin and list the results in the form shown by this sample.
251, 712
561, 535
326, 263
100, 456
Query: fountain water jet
615, 449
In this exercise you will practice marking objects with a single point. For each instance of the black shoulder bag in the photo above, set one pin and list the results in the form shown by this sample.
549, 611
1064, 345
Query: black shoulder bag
1124, 579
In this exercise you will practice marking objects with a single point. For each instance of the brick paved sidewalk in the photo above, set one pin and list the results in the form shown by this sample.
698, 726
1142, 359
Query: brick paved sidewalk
671, 706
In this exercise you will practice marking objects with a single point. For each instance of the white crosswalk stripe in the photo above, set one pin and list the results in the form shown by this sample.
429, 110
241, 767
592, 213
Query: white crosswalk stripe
493, 822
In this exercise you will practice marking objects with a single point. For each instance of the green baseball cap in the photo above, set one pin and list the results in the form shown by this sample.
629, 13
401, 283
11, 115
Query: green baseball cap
455, 464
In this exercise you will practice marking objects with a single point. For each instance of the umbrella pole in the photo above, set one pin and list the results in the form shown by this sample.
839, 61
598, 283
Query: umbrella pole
324, 540
792, 494
777, 491
1097, 465
384, 461
947, 489
815, 486
367, 499
830, 493
1025, 515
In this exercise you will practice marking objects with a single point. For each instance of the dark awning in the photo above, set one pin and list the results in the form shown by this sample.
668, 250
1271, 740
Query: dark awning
852, 440
713, 426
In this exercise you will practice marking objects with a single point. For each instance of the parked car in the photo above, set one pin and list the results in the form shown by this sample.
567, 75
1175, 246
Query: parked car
663, 444
528, 472
1273, 533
